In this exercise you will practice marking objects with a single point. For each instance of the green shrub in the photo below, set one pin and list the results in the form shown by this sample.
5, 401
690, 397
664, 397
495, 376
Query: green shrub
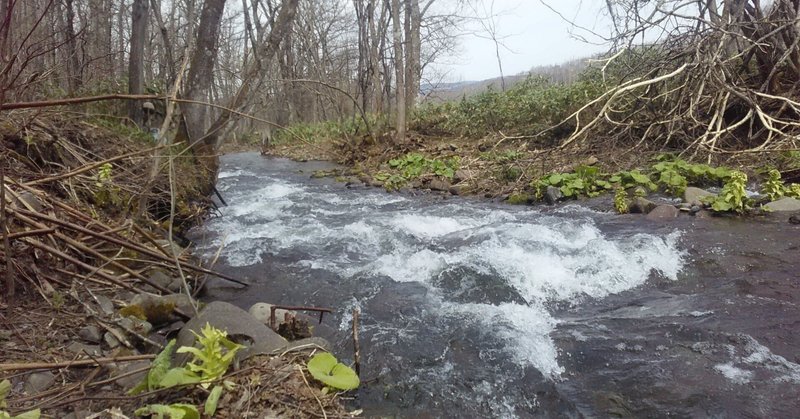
526, 108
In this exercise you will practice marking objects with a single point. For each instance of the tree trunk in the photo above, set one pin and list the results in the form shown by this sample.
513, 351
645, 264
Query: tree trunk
400, 89
280, 29
136, 58
74, 66
413, 54
198, 83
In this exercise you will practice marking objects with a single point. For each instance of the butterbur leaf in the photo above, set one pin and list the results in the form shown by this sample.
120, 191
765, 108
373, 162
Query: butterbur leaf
177, 377
325, 368
172, 411
157, 371
5, 388
212, 400
33, 414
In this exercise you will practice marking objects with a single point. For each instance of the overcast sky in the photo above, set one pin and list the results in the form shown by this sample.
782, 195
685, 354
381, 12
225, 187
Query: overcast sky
533, 34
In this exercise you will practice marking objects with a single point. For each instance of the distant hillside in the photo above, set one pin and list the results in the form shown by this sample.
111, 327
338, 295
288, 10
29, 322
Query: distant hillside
442, 92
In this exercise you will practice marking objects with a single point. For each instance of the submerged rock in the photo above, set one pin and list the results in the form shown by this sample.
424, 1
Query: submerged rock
663, 213
784, 205
794, 219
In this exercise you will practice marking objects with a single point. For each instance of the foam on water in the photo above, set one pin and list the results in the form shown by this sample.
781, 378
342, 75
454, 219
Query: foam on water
544, 258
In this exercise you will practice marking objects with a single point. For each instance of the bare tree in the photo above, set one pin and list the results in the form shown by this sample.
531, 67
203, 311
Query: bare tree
704, 76
136, 58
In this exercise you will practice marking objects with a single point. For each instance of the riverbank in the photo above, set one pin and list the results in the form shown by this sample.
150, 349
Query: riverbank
102, 277
514, 171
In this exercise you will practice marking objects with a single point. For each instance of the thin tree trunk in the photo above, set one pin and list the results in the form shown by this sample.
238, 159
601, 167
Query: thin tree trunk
136, 58
400, 90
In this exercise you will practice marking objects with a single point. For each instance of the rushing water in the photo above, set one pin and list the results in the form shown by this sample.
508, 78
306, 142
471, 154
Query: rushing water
469, 308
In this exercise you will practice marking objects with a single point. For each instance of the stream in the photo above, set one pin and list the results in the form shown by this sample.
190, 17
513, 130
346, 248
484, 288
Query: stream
478, 309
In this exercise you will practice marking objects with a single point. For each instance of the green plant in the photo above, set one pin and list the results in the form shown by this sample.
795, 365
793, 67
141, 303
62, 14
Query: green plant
733, 196
676, 174
390, 181
172, 411
209, 363
325, 368
621, 201
586, 180
414, 165
5, 389
632, 179
773, 187
793, 190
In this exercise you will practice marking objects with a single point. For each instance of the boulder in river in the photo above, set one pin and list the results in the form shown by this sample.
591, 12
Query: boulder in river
261, 312
439, 185
641, 206
552, 195
240, 325
663, 213
694, 196
794, 219
784, 205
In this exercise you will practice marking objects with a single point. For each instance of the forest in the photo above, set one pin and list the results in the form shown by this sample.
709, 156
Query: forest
115, 116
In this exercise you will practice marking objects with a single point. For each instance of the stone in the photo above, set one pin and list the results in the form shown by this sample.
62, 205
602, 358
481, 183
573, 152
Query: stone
784, 205
90, 334
794, 219
641, 205
131, 373
663, 213
111, 340
82, 349
261, 312
27, 199
80, 414
439, 185
552, 195
106, 305
159, 309
136, 325
237, 322
455, 190
461, 175
694, 196
39, 382
165, 281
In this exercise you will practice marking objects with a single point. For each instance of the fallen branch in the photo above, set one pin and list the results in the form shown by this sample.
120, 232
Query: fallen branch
23, 366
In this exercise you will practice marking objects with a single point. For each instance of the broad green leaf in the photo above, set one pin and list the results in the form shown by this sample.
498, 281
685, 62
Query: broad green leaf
157, 371
172, 411
639, 177
212, 400
177, 377
324, 367
5, 388
33, 414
